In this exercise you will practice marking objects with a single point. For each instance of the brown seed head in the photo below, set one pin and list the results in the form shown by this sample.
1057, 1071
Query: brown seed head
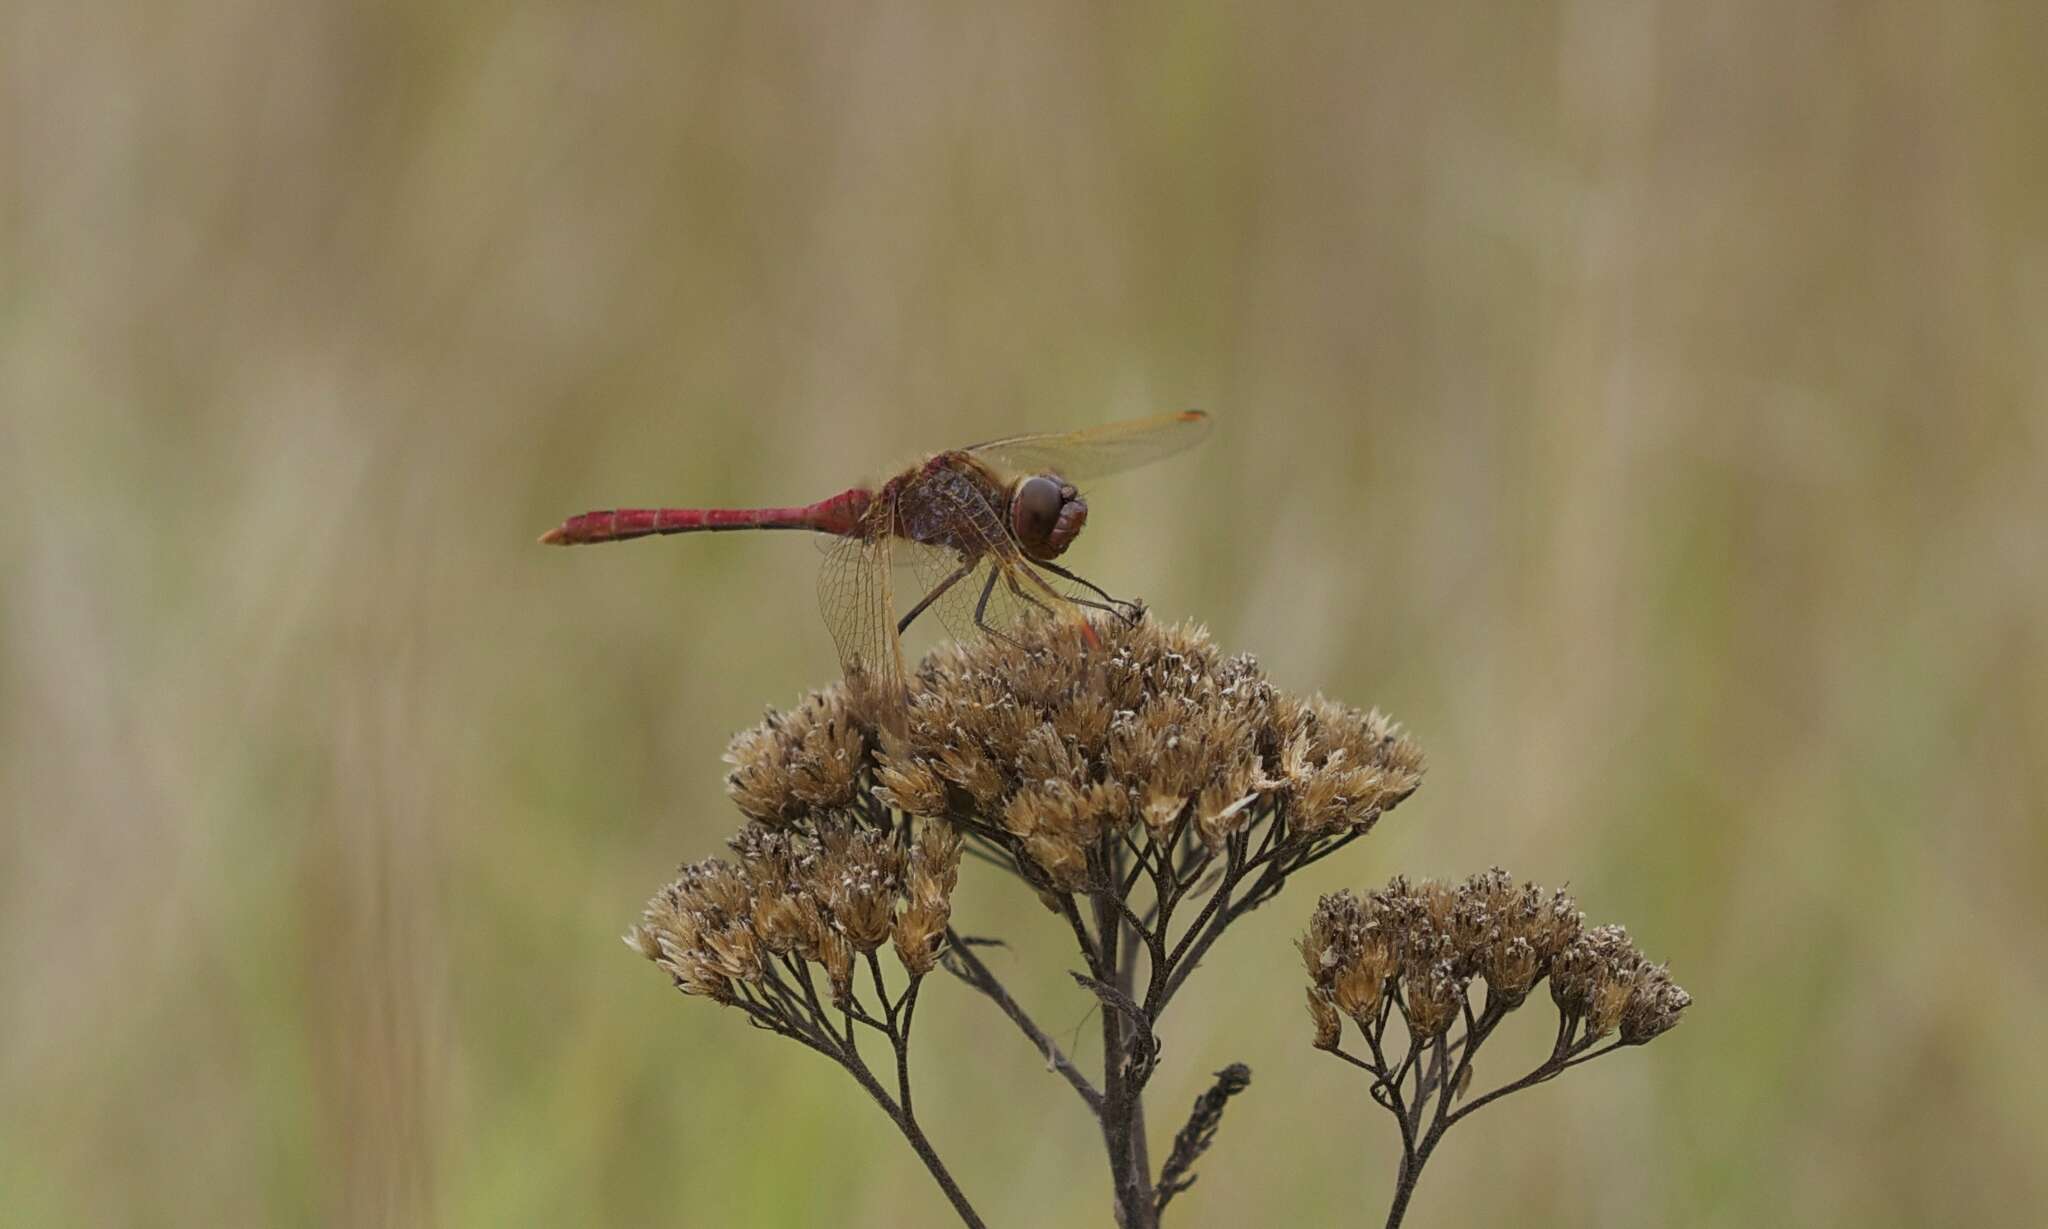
921, 926
1654, 1006
1428, 941
857, 879
795, 763
824, 894
1055, 741
1512, 933
1350, 954
1594, 976
1329, 1025
1040, 746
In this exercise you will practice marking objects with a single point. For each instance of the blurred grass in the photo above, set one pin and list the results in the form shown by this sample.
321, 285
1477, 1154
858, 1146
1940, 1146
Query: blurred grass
1645, 405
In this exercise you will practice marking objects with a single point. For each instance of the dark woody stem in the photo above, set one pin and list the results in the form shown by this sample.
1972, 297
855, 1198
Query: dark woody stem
1138, 956
808, 1020
912, 1132
1223, 908
1438, 1065
1122, 1114
962, 963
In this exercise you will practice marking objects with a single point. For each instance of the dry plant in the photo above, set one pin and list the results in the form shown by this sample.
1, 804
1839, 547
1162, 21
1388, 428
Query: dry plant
1149, 791
1414, 951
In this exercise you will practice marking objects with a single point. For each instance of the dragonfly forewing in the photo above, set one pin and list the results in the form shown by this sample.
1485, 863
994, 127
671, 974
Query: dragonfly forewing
1098, 451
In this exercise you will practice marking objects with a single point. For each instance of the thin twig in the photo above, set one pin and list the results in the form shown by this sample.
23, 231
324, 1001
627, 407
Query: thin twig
962, 963
914, 1134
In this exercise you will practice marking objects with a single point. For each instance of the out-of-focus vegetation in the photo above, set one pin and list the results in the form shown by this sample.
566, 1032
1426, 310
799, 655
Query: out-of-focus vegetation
1645, 404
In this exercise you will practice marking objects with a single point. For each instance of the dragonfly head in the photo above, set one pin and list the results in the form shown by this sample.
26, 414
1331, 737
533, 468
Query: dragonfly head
1046, 515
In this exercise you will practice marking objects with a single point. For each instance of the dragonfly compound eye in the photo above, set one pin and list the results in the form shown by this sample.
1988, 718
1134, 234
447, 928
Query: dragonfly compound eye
1046, 515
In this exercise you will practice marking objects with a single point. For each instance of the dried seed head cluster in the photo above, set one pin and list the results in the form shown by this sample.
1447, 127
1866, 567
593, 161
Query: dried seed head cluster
1415, 950
1046, 742
797, 764
1152, 791
1423, 944
821, 896
1602, 979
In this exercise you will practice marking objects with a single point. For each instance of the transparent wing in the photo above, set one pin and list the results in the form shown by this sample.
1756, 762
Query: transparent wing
951, 581
854, 595
828, 543
1097, 451
985, 602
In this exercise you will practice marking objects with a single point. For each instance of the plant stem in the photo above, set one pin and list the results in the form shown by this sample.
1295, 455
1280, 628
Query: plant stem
1141, 1151
1122, 1086
907, 1123
964, 964
923, 1147
1405, 1179
1439, 1076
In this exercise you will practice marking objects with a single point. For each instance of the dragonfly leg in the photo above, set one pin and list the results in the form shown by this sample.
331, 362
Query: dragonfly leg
937, 592
1019, 591
988, 588
1128, 611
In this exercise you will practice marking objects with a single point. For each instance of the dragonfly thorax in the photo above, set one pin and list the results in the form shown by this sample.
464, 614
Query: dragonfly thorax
1046, 515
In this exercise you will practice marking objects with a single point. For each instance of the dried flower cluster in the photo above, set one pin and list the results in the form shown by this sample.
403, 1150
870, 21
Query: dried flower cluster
1603, 980
1415, 950
1046, 745
821, 897
827, 895
1150, 791
1420, 947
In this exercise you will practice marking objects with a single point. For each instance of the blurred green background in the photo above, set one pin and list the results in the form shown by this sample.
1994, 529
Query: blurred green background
1642, 402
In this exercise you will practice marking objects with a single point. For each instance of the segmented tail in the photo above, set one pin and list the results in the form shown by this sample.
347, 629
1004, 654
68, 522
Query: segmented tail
838, 515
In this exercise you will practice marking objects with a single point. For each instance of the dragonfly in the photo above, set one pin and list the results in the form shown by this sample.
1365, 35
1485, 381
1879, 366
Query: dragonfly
978, 530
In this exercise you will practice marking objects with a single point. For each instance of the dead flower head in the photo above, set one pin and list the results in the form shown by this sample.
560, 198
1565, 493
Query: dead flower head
1419, 947
1151, 790
1044, 744
1415, 951
730, 930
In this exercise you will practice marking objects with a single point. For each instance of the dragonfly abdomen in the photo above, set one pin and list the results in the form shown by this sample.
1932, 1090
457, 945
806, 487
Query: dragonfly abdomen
837, 515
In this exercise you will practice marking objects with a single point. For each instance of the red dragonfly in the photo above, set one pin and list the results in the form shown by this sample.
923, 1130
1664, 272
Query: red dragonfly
980, 527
